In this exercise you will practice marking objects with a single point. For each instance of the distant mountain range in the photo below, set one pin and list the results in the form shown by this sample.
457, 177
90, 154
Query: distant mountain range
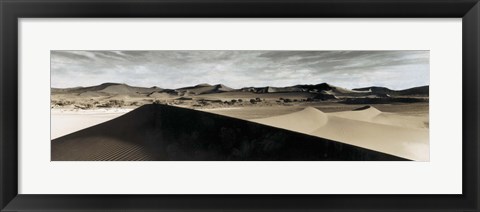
321, 91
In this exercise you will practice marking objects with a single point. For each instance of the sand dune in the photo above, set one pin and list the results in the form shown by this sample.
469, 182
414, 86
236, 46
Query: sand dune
368, 128
64, 122
161, 132
106, 89
373, 115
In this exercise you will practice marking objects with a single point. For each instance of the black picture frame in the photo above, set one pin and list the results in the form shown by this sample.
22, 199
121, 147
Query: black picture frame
12, 10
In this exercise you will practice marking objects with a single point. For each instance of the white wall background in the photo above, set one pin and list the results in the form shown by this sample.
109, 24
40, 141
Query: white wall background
441, 175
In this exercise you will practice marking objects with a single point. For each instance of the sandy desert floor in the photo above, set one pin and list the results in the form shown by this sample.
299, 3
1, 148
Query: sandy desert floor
259, 111
396, 129
405, 136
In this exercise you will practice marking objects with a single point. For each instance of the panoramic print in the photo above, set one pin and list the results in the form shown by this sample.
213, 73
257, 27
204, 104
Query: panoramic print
236, 105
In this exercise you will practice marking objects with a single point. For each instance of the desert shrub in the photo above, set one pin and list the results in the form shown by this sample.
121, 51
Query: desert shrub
112, 103
83, 106
62, 102
253, 101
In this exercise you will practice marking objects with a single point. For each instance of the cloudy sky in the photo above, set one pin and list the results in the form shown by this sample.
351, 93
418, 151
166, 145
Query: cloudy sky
236, 69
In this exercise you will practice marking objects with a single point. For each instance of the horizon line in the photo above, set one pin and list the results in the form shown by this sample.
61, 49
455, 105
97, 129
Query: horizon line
209, 84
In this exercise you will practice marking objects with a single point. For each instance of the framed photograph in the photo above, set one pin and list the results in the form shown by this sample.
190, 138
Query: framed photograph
239, 105
274, 93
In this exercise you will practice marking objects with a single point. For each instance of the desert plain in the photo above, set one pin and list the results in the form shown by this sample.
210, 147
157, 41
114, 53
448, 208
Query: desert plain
115, 121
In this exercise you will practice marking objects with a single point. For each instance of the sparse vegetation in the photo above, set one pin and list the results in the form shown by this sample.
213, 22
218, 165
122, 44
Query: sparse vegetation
83, 106
62, 102
112, 103
200, 96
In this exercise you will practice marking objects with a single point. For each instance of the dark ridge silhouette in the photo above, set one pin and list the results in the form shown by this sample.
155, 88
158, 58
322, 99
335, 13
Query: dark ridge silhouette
416, 91
375, 90
362, 108
164, 91
161, 132
317, 87
324, 97
195, 86
203, 85
204, 89
288, 89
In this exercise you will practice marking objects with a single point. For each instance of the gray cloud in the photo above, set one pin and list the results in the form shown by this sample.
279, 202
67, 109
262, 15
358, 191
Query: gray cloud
173, 69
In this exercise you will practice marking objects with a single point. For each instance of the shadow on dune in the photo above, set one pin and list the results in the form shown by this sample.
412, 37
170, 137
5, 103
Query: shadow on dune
160, 132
